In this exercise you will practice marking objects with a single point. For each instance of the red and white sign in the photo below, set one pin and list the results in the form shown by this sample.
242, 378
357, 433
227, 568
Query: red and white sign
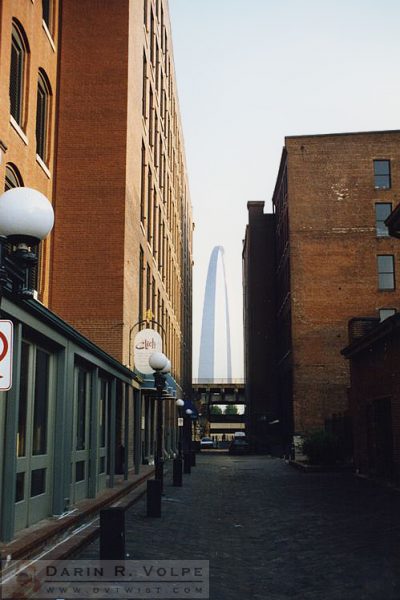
6, 354
146, 342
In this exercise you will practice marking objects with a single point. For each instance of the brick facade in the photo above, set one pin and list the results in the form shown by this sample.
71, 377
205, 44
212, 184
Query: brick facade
327, 248
121, 188
259, 304
115, 169
375, 400
20, 142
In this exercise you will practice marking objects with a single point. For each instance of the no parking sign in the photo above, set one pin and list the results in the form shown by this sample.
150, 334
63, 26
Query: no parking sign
6, 339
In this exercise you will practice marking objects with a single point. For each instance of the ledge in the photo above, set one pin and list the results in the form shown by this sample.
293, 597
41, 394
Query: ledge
44, 535
306, 468
19, 131
43, 166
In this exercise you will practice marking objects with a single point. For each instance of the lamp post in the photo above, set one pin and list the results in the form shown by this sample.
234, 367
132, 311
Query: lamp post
177, 469
26, 218
187, 443
161, 366
180, 403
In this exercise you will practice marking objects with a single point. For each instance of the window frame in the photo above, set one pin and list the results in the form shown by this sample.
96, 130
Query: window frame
384, 232
388, 174
18, 103
43, 113
384, 272
49, 21
12, 177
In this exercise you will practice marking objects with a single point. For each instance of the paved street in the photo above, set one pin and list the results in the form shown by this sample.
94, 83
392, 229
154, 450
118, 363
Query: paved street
271, 532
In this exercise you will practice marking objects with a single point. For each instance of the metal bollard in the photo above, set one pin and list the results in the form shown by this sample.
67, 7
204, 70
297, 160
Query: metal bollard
159, 473
177, 472
192, 458
154, 489
112, 533
187, 462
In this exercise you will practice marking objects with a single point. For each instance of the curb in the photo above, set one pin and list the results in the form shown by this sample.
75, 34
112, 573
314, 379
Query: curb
306, 468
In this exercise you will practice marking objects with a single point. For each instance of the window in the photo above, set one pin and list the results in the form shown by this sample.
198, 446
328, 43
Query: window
19, 52
382, 174
145, 13
47, 7
23, 401
40, 412
144, 88
143, 187
151, 116
385, 313
42, 115
149, 205
81, 412
386, 272
148, 288
141, 282
152, 39
382, 211
13, 178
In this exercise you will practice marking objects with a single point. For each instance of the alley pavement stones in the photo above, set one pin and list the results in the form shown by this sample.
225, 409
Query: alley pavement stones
271, 532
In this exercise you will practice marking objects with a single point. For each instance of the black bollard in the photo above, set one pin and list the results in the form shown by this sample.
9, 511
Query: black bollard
187, 462
154, 489
192, 458
112, 533
159, 473
177, 472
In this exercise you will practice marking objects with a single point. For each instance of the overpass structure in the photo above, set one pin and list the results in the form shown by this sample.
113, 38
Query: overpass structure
224, 393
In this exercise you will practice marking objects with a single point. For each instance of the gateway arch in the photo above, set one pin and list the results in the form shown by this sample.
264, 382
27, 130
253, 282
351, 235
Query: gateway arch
207, 338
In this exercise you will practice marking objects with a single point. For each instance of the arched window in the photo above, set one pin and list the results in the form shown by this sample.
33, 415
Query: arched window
19, 57
13, 177
42, 115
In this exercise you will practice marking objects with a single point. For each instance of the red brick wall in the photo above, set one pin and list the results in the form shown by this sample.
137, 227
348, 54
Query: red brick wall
333, 249
87, 277
374, 377
21, 146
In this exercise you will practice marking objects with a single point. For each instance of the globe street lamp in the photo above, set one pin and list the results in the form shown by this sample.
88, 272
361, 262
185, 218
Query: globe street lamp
26, 218
161, 366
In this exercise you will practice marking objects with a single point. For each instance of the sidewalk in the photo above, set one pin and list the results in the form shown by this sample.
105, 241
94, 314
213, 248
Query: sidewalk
56, 537
271, 532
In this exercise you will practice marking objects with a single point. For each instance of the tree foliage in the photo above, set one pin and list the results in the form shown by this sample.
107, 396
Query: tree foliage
231, 409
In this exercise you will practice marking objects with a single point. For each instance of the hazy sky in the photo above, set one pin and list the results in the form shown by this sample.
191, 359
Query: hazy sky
251, 72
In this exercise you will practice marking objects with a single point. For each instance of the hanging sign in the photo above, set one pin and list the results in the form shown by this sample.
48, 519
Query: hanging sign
146, 342
6, 354
180, 421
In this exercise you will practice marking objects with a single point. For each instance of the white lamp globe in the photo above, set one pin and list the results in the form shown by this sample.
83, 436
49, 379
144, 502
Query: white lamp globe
158, 361
25, 215
189, 411
167, 368
180, 402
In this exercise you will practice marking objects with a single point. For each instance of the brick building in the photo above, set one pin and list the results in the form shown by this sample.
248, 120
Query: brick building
29, 50
375, 398
334, 261
124, 224
259, 310
89, 116
373, 353
115, 171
